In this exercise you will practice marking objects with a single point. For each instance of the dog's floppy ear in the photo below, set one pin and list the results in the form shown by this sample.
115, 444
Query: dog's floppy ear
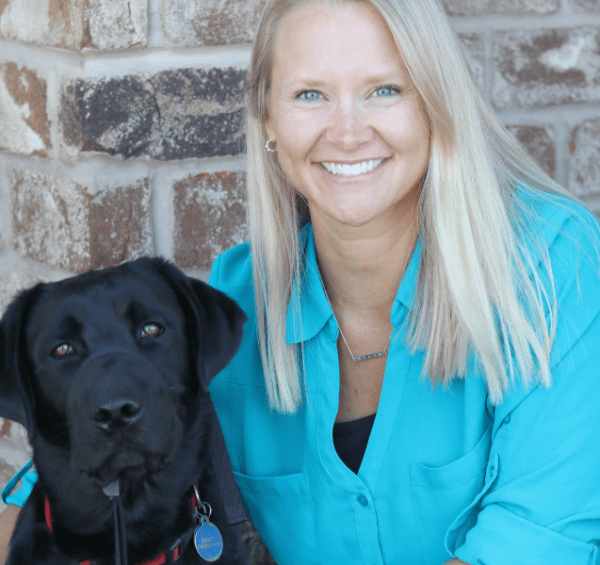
16, 398
215, 321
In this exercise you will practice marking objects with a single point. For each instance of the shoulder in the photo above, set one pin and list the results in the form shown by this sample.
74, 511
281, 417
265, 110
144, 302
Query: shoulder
554, 219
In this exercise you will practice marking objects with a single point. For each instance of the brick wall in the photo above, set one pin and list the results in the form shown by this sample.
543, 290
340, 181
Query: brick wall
121, 125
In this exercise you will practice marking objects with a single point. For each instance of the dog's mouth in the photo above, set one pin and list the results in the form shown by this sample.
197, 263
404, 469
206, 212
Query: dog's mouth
130, 468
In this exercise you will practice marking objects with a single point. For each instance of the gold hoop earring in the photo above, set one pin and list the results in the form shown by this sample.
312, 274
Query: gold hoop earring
268, 147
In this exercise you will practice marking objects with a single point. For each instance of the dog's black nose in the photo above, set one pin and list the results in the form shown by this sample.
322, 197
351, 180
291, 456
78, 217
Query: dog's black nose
117, 413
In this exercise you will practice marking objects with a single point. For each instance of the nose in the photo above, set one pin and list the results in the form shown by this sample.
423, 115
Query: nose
117, 413
349, 127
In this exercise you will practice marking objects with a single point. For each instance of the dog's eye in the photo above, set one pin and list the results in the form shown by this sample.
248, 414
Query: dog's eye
62, 350
151, 330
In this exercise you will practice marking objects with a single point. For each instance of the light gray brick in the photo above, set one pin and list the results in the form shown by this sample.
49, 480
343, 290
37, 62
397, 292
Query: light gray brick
546, 67
24, 124
210, 22
482, 7
584, 159
75, 24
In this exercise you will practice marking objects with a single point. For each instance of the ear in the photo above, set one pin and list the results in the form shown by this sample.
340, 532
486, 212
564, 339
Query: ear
269, 127
215, 321
16, 398
221, 328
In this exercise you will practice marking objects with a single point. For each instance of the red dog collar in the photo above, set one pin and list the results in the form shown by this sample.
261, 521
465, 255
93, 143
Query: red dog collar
159, 560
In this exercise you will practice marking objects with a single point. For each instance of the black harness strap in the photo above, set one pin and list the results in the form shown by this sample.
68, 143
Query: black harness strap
223, 471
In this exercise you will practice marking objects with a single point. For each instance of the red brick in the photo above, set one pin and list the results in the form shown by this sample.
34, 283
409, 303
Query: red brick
546, 67
24, 124
210, 217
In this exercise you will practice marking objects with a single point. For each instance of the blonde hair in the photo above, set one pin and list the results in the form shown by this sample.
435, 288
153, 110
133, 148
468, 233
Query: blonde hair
474, 293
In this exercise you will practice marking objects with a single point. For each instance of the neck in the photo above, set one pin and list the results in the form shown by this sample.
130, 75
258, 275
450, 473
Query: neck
363, 267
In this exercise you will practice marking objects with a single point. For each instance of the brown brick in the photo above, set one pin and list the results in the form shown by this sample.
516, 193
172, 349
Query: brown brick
210, 217
171, 115
11, 282
584, 161
24, 124
479, 7
120, 226
546, 67
210, 22
75, 24
60, 223
539, 142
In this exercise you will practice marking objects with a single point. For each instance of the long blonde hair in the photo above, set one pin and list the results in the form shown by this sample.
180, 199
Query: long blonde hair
474, 292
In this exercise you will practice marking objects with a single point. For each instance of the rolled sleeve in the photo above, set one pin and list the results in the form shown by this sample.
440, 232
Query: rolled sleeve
501, 537
543, 505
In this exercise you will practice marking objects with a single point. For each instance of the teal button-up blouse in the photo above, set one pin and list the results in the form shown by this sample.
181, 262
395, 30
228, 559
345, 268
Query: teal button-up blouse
445, 473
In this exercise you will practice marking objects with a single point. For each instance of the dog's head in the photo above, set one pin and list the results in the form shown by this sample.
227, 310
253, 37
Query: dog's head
108, 365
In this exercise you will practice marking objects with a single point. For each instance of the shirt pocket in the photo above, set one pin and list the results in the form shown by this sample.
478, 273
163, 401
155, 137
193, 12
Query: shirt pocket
440, 494
280, 508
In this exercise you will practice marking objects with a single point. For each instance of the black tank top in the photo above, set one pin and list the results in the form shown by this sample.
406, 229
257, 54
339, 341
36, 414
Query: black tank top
350, 440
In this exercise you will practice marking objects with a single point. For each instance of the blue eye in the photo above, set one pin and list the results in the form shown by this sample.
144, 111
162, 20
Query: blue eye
309, 95
386, 91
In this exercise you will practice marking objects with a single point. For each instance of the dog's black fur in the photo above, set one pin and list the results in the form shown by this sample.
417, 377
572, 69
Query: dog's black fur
108, 371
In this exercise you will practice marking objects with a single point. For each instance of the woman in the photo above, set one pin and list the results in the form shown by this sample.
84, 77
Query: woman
439, 285
429, 338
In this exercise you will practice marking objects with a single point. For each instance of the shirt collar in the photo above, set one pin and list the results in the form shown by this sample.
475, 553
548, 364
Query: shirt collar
312, 304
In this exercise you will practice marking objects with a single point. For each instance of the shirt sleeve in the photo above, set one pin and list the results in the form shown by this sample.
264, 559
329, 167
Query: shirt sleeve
541, 501
29, 477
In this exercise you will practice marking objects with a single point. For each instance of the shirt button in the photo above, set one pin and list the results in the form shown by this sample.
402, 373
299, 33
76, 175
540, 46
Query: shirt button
362, 500
507, 420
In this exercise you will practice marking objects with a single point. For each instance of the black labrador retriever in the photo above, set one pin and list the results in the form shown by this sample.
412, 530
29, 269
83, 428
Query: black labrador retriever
108, 371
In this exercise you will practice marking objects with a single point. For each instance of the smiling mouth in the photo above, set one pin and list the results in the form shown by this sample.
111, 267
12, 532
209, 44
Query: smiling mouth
349, 170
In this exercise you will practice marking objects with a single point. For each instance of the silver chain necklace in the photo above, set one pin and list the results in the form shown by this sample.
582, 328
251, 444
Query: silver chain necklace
356, 358
366, 357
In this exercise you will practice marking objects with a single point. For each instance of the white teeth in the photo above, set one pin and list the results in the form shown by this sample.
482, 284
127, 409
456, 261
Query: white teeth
356, 169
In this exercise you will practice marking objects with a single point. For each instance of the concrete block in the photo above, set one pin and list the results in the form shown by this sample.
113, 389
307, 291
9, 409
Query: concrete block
546, 67
210, 217
24, 123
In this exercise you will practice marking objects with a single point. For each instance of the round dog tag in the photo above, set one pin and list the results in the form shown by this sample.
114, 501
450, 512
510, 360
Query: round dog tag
208, 540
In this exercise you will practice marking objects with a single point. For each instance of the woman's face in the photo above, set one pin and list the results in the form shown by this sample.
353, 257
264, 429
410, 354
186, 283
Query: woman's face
352, 135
